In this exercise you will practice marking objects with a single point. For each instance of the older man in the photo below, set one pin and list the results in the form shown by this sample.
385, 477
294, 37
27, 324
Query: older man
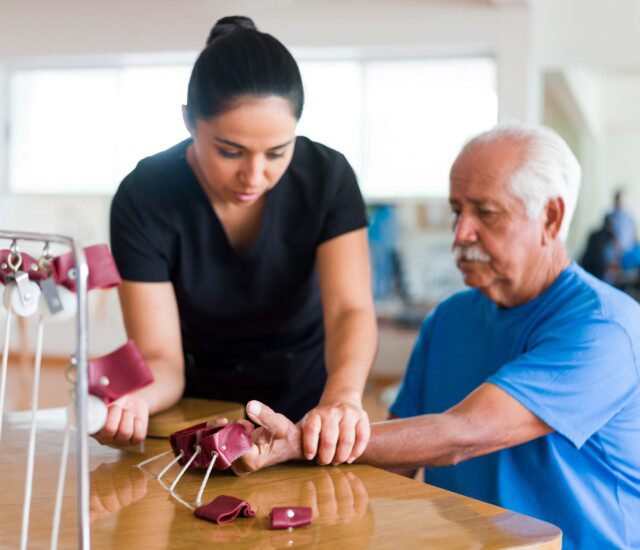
524, 391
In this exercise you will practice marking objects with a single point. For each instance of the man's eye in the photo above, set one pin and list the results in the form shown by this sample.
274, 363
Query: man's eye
486, 213
229, 154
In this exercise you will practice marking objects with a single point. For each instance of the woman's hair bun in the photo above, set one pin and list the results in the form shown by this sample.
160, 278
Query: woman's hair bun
229, 24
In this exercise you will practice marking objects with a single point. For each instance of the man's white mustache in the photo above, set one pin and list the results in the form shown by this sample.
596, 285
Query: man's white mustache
471, 253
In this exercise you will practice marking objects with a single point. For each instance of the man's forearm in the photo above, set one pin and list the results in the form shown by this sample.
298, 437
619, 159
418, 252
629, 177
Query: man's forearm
402, 444
428, 440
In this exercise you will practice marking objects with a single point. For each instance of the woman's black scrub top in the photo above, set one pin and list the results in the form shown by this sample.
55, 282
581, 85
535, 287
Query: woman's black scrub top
251, 323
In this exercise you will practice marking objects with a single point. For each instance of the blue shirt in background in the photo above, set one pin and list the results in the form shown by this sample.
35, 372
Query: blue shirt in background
624, 228
571, 357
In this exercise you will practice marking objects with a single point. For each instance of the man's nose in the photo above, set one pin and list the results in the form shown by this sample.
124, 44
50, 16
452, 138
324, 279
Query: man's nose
465, 230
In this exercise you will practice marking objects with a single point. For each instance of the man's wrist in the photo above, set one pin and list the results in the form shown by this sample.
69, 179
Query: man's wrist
287, 449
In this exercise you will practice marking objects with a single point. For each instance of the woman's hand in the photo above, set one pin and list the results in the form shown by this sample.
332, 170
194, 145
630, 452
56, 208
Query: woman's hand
336, 431
127, 421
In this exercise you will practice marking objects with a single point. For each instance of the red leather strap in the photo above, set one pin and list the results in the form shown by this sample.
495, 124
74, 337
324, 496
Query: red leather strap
185, 440
224, 509
230, 442
118, 373
103, 272
292, 516
29, 265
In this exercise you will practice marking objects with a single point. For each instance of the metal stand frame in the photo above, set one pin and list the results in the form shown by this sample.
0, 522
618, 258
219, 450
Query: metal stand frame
82, 384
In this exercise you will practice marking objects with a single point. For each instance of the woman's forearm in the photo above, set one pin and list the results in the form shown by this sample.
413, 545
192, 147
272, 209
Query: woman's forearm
167, 386
350, 345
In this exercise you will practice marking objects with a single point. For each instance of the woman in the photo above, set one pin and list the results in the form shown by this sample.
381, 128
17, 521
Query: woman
236, 246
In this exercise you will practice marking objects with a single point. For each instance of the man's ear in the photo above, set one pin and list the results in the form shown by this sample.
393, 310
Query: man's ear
185, 118
554, 215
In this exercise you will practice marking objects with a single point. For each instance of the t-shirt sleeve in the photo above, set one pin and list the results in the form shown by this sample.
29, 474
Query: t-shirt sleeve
409, 401
136, 238
576, 378
346, 210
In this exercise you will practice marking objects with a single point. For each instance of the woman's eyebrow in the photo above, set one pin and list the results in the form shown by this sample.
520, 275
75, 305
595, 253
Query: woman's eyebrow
239, 146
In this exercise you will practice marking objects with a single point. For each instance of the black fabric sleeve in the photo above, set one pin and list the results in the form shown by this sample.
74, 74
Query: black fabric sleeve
136, 237
346, 210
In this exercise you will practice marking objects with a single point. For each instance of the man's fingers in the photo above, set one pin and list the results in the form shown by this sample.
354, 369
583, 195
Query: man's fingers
346, 439
328, 439
363, 434
247, 463
248, 426
311, 425
278, 424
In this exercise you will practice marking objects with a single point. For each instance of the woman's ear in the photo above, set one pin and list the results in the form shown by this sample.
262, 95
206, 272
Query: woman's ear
187, 122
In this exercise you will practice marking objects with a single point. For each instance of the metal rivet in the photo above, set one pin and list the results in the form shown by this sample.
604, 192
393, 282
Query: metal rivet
4, 266
224, 447
290, 513
73, 273
34, 267
104, 381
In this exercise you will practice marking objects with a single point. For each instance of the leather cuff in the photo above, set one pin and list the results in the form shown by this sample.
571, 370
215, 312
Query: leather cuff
224, 509
118, 373
291, 516
230, 442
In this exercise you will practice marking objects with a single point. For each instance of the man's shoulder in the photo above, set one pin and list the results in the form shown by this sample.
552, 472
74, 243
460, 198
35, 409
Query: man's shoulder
591, 297
463, 299
458, 308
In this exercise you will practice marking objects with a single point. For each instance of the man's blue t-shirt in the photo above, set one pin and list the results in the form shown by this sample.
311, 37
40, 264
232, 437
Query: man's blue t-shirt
570, 356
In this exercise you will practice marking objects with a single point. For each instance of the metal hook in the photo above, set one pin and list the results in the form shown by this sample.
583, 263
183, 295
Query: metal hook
45, 260
68, 371
14, 258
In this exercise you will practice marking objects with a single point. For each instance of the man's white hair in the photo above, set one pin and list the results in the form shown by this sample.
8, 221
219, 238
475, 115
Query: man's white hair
548, 170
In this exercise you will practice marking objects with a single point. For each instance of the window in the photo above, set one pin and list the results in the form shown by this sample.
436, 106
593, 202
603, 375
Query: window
399, 122
83, 130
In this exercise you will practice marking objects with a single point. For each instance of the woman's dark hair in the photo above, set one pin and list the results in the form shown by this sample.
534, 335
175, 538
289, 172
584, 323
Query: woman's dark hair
239, 61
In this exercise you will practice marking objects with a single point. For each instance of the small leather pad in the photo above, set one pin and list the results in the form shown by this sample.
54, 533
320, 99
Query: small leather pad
224, 509
291, 516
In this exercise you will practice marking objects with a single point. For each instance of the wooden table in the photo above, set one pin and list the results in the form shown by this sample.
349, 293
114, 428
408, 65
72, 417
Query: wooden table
354, 506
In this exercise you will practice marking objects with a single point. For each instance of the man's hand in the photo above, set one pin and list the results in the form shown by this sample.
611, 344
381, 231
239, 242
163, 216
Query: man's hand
276, 440
127, 421
336, 431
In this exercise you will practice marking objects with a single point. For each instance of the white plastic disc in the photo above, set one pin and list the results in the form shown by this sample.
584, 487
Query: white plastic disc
69, 304
96, 414
12, 301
